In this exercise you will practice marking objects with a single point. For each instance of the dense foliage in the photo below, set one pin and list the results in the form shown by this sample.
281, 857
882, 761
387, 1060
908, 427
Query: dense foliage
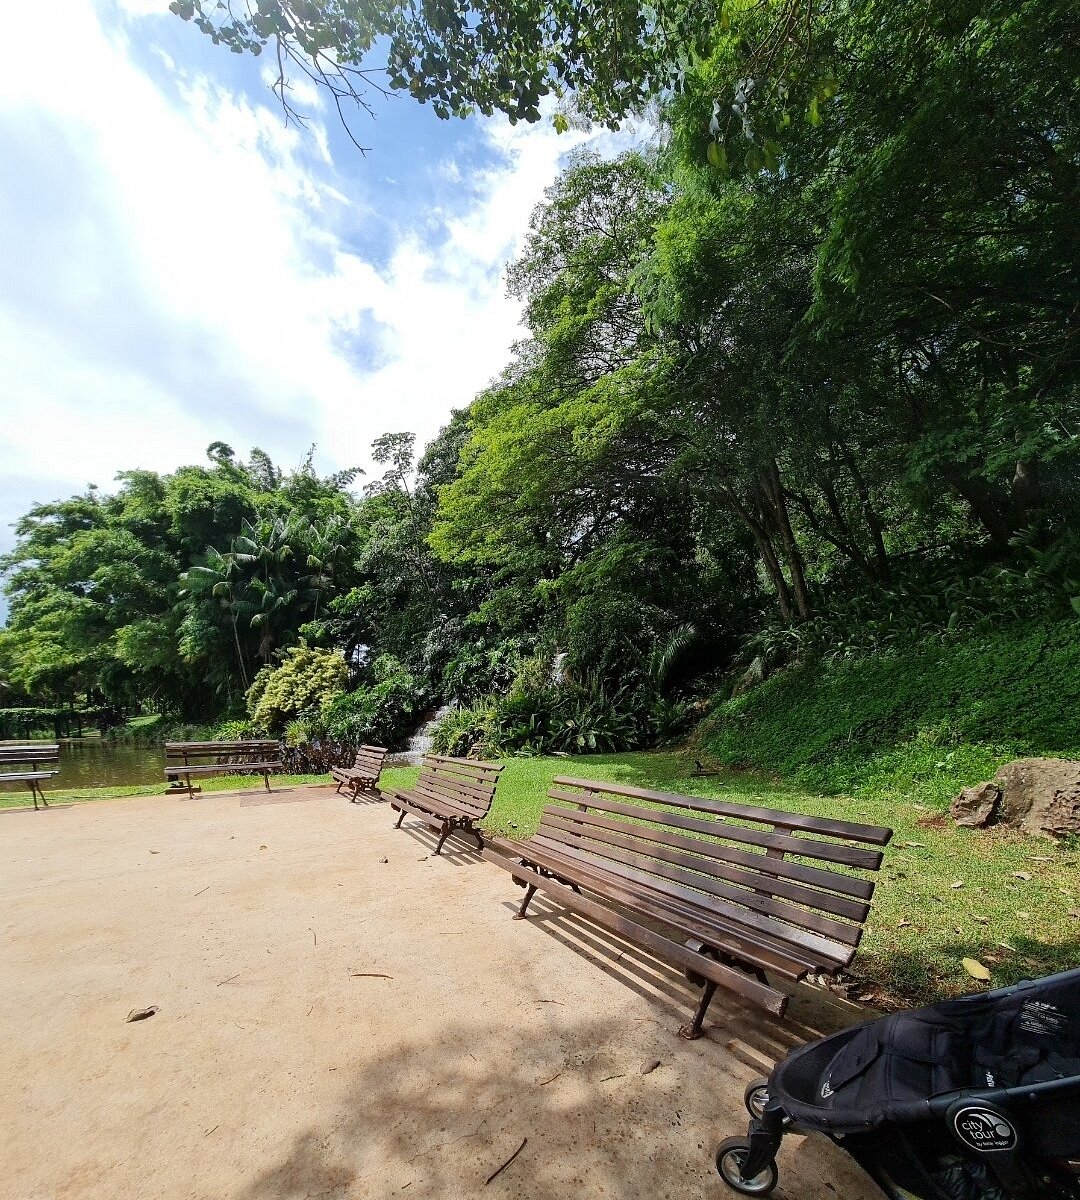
800, 383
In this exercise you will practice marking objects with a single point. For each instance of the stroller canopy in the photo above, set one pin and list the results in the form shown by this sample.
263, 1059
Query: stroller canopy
888, 1070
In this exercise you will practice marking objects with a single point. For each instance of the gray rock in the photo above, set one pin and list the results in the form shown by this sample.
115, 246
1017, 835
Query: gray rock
1041, 796
976, 806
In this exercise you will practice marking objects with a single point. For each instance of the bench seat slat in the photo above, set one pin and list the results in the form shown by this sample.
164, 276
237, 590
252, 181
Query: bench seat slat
232, 768
804, 942
692, 921
443, 798
26, 776
577, 830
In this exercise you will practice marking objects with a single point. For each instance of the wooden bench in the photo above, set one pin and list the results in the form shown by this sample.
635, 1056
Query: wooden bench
230, 758
363, 775
730, 893
31, 757
451, 795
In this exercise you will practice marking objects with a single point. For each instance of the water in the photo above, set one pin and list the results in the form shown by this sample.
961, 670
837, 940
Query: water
92, 763
420, 742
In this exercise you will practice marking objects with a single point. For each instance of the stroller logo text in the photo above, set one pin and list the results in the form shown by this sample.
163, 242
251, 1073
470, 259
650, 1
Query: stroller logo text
983, 1129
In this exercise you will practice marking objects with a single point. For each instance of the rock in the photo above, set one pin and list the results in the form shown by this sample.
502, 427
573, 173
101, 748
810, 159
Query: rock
976, 806
1041, 796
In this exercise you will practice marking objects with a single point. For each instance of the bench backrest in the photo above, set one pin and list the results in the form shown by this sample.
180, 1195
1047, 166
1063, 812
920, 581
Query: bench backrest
775, 868
467, 782
252, 750
369, 761
29, 754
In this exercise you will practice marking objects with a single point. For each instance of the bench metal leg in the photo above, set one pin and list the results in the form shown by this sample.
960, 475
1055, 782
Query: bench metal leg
476, 834
401, 817
530, 891
693, 1030
447, 830
337, 790
266, 779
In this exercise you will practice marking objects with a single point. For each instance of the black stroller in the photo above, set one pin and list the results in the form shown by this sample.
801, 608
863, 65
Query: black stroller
972, 1099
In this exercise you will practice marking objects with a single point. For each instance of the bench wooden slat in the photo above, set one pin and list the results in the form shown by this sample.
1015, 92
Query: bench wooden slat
363, 775
848, 856
767, 997
855, 831
781, 868
717, 873
826, 949
451, 794
692, 921
743, 886
230, 768
26, 776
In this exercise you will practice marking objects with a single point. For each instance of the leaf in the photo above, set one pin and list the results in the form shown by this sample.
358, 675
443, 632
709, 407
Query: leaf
560, 122
1075, 602
976, 970
717, 156
958, 884
916, 845
982, 920
813, 115
903, 924
753, 160
1021, 875
1024, 916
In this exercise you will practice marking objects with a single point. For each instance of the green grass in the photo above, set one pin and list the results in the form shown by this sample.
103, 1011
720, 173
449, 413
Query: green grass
218, 783
921, 721
920, 926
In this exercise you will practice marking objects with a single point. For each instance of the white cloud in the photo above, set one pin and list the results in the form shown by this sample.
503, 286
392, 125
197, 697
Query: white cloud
206, 287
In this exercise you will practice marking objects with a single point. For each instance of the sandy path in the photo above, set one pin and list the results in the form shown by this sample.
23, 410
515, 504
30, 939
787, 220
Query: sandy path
272, 1070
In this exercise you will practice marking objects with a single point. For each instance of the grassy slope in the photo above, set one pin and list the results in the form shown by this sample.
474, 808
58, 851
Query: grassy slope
921, 926
919, 723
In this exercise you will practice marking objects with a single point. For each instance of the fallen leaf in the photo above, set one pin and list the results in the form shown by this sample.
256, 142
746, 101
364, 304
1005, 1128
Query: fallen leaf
903, 924
916, 845
384, 860
262, 847
1021, 875
141, 1014
649, 1067
1074, 912
1025, 916
155, 851
1041, 858
976, 970
1006, 946
982, 920
958, 884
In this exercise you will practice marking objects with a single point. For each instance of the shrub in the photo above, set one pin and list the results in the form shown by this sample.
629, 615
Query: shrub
307, 680
381, 712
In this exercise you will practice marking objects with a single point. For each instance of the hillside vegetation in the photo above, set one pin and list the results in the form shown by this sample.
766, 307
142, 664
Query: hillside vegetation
919, 721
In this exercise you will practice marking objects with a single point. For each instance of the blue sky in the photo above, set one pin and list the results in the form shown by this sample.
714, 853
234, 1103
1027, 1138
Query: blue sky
179, 267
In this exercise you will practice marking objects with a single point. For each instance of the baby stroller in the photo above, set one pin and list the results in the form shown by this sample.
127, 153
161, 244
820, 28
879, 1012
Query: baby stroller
972, 1099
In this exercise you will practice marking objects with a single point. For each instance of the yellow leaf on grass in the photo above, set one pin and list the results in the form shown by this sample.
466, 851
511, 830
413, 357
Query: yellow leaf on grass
976, 970
1021, 875
958, 884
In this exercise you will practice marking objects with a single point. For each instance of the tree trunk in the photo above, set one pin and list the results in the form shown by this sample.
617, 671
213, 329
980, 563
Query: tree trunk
775, 493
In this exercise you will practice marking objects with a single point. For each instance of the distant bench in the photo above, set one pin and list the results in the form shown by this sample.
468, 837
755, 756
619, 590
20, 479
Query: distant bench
726, 892
450, 796
31, 757
363, 775
230, 758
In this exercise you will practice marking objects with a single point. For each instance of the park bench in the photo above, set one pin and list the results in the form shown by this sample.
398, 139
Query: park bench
30, 758
451, 795
729, 893
363, 775
229, 758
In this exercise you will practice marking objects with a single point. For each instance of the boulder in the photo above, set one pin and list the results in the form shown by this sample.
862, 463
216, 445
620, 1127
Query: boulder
1040, 796
976, 806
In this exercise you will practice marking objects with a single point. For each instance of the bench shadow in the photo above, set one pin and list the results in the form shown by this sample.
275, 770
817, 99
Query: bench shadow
459, 849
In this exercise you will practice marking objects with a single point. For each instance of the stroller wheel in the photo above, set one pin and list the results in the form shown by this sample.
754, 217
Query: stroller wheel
756, 1097
730, 1156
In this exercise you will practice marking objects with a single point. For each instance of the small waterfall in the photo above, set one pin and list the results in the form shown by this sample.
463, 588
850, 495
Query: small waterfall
420, 742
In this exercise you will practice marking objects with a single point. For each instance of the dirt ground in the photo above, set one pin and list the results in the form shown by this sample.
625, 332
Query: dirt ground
333, 1025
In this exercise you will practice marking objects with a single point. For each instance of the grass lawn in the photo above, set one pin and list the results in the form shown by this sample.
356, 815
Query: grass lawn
944, 894
217, 783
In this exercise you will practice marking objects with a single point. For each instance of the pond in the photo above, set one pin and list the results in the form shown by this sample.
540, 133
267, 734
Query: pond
93, 763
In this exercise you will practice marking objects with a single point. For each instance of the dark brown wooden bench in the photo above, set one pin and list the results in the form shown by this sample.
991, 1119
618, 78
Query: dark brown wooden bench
229, 758
730, 893
363, 775
33, 760
451, 796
